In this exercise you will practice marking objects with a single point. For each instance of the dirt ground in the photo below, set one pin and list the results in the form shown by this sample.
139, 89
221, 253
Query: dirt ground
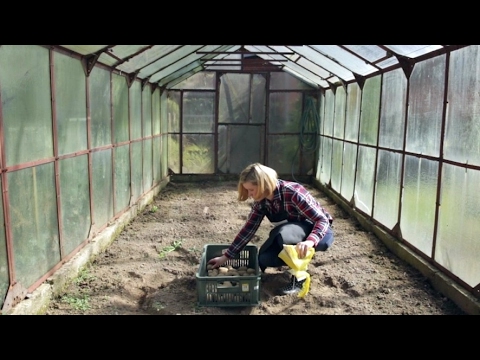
150, 268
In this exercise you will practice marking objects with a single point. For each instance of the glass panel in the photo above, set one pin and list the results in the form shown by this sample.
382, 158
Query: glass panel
202, 80
137, 173
387, 192
147, 111
156, 112
26, 103
135, 111
418, 202
173, 109
234, 98
258, 99
70, 100
354, 96
339, 121
4, 273
326, 163
392, 117
198, 111
102, 183
370, 111
75, 201
122, 177
101, 116
285, 81
463, 112
174, 153
198, 153
147, 165
239, 146
157, 160
285, 112
426, 97
281, 153
365, 179
120, 108
458, 246
337, 153
34, 222
329, 113
348, 171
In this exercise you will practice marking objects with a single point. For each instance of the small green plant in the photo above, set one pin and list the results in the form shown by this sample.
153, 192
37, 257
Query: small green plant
154, 209
83, 277
78, 303
168, 249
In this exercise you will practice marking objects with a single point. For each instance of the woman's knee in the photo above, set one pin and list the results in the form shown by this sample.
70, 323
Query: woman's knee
326, 242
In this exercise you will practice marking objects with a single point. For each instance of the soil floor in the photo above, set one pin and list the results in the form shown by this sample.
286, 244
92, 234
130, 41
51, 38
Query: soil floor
151, 267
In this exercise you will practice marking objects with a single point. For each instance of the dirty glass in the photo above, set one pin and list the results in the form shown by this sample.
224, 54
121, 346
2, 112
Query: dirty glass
339, 120
198, 154
364, 181
34, 222
285, 112
174, 153
173, 108
337, 159
147, 111
348, 170
239, 146
4, 273
282, 153
102, 184
285, 81
234, 98
156, 159
122, 177
135, 111
137, 173
156, 112
425, 107
326, 127
147, 164
100, 114
120, 108
369, 111
463, 109
419, 199
258, 99
387, 190
75, 201
198, 112
392, 111
203, 80
352, 118
70, 96
457, 245
326, 162
26, 104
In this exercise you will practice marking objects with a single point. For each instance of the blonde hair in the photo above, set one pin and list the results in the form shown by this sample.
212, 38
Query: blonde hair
260, 175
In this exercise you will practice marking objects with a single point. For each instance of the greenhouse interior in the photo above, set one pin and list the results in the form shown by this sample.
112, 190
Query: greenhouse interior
90, 134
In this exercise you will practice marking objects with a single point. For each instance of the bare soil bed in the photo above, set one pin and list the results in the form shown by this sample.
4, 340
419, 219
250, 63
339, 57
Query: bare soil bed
150, 267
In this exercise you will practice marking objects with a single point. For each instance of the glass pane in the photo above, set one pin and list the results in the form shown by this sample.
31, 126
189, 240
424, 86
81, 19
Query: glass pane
258, 100
419, 202
392, 117
198, 153
70, 96
426, 97
120, 108
234, 98
147, 111
239, 146
202, 80
285, 112
285, 81
326, 162
458, 245
137, 173
369, 112
101, 116
364, 182
75, 201
198, 111
102, 183
174, 153
339, 121
173, 109
122, 177
34, 222
156, 112
282, 152
147, 164
337, 153
353, 112
135, 111
387, 192
329, 113
4, 273
348, 171
156, 158
26, 103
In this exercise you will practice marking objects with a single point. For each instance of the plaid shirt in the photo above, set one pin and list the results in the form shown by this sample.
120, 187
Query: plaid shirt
297, 202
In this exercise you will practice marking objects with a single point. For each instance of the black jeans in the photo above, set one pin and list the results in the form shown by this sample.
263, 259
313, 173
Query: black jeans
289, 233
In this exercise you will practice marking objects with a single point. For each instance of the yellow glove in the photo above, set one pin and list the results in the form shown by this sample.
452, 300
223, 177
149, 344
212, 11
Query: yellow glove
298, 267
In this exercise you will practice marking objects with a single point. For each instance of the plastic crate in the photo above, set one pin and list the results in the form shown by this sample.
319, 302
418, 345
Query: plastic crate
245, 290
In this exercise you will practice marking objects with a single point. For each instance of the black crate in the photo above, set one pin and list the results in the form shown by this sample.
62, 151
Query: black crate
245, 290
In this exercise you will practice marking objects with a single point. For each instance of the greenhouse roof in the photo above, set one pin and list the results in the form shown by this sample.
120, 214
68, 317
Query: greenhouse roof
320, 66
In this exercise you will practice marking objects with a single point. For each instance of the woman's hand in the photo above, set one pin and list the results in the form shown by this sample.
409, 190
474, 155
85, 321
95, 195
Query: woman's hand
218, 261
302, 248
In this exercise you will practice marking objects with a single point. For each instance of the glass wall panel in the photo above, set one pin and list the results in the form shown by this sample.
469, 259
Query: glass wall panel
147, 164
392, 116
135, 111
285, 81
326, 153
337, 158
137, 172
173, 109
364, 181
285, 112
348, 172
258, 99
354, 97
198, 153
329, 113
75, 201
234, 98
147, 111
282, 151
418, 203
174, 153
26, 103
387, 191
102, 183
370, 111
156, 112
4, 273
463, 111
202, 80
120, 109
339, 120
34, 222
100, 114
238, 139
198, 112
458, 245
122, 177
70, 100
156, 159
426, 97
